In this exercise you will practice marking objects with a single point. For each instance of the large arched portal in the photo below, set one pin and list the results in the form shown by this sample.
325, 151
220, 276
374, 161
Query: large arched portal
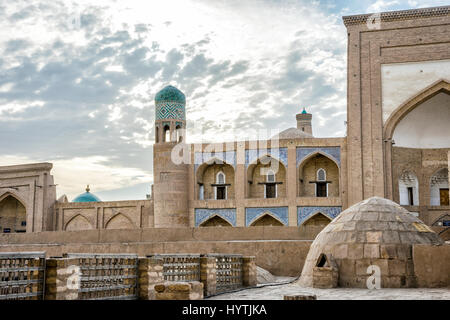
13, 215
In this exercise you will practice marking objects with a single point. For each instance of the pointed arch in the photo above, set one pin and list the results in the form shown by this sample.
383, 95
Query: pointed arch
215, 221
119, 221
317, 218
308, 182
445, 216
13, 213
267, 218
13, 193
258, 172
426, 94
207, 175
314, 154
438, 184
78, 222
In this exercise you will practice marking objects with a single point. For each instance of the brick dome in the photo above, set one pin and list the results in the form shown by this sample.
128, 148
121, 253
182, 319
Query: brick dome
375, 231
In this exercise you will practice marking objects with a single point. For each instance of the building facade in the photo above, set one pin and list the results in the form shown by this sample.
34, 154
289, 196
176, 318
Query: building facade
397, 147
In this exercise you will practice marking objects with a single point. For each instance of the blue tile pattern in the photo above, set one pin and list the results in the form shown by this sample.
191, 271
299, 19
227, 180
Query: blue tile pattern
303, 213
227, 156
201, 215
170, 110
333, 152
252, 214
170, 93
278, 153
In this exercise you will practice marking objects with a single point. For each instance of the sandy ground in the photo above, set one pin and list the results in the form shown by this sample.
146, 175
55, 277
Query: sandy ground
277, 293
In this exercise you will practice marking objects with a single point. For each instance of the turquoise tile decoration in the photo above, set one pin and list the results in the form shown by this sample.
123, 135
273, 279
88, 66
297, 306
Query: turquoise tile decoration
252, 214
201, 215
333, 152
303, 213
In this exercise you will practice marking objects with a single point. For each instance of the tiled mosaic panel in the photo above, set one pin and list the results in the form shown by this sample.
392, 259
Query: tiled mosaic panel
303, 213
278, 153
170, 110
252, 214
201, 215
332, 152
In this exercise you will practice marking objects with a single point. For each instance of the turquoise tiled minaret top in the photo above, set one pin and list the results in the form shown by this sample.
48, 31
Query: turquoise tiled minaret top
170, 104
87, 197
304, 111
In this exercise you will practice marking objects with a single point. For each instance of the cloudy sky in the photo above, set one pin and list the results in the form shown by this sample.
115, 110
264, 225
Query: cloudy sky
78, 78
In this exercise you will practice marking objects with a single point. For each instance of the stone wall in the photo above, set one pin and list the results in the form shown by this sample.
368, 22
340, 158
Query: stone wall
432, 265
133, 214
280, 250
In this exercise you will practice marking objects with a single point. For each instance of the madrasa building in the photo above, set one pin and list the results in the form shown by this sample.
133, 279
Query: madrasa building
397, 147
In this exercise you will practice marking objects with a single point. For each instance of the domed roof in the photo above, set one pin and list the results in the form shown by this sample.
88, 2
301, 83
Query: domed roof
87, 197
304, 111
292, 133
377, 232
171, 94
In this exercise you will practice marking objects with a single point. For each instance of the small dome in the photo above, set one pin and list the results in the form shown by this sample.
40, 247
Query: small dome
292, 133
87, 197
375, 231
170, 94
304, 111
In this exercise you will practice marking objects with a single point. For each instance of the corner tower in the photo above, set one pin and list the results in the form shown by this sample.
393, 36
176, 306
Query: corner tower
170, 179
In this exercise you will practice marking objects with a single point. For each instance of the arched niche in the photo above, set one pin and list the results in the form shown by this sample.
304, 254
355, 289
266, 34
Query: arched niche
429, 110
119, 221
420, 122
208, 187
310, 172
266, 178
215, 221
439, 191
318, 219
267, 219
408, 189
13, 214
78, 222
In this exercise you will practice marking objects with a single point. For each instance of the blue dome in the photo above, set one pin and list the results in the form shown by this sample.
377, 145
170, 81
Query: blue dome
87, 197
171, 94
304, 111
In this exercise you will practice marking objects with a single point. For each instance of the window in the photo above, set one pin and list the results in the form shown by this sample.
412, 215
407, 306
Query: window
220, 193
179, 136
321, 189
321, 175
271, 191
220, 179
446, 223
157, 134
23, 223
410, 196
221, 188
270, 176
7, 230
443, 194
166, 133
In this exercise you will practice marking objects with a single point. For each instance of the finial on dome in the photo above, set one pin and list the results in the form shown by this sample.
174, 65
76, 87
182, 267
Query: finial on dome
87, 188
304, 111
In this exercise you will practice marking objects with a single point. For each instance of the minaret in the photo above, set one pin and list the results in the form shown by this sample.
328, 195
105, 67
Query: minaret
170, 180
304, 121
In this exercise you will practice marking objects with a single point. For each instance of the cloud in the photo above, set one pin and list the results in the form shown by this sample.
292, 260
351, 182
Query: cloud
78, 79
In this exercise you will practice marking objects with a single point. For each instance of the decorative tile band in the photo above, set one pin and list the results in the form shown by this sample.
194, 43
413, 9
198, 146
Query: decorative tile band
252, 214
227, 156
333, 152
278, 153
170, 110
303, 213
201, 215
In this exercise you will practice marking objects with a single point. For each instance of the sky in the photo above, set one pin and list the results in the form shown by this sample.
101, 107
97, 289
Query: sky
78, 78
